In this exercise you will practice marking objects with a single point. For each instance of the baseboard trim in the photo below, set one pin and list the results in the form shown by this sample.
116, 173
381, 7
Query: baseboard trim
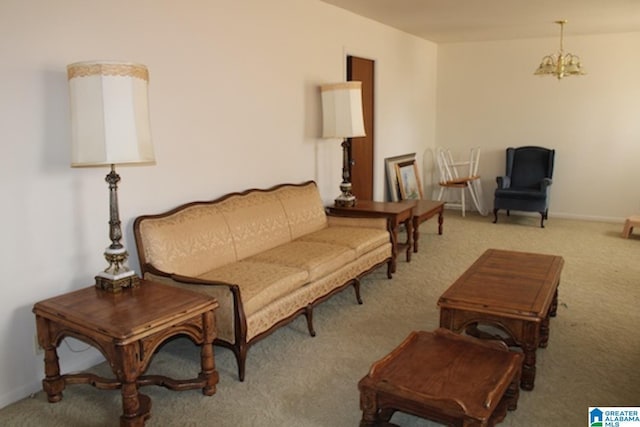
559, 215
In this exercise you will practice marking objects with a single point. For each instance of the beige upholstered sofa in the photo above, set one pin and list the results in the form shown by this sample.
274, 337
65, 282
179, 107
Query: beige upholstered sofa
266, 255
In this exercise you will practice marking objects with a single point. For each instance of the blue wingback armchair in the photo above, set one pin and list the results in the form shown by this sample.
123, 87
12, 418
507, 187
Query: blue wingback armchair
526, 183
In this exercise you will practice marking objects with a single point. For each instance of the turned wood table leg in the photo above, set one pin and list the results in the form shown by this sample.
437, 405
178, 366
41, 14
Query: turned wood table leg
544, 332
528, 367
53, 383
409, 226
513, 393
553, 310
136, 407
207, 360
440, 221
394, 248
369, 408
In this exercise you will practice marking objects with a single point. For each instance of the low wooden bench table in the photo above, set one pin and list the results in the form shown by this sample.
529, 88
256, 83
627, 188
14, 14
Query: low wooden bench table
127, 327
424, 210
444, 377
516, 292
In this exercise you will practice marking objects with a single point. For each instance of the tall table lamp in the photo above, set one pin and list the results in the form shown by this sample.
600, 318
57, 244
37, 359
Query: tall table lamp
342, 118
109, 126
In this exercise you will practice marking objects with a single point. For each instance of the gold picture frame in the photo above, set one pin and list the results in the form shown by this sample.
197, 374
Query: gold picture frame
392, 180
409, 180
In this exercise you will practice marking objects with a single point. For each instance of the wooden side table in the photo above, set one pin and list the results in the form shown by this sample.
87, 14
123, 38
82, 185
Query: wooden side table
127, 328
516, 292
395, 212
444, 377
424, 210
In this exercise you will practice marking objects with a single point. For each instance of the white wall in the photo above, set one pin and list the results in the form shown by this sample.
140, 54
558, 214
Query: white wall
234, 104
488, 97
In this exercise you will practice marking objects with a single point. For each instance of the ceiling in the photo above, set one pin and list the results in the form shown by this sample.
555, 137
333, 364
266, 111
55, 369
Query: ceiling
444, 21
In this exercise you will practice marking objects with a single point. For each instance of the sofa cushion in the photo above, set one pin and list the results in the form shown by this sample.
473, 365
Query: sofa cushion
304, 209
360, 239
260, 283
189, 242
318, 259
257, 222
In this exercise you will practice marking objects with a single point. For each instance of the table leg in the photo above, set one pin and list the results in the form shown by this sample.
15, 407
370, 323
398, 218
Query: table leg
528, 367
369, 408
409, 227
207, 360
513, 393
136, 407
553, 310
544, 332
53, 383
394, 248
440, 220
416, 232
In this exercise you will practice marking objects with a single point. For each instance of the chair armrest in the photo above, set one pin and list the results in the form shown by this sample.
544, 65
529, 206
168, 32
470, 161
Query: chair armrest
546, 182
503, 181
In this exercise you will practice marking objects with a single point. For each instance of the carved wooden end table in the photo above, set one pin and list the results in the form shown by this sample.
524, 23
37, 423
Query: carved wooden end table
516, 292
395, 212
127, 327
444, 377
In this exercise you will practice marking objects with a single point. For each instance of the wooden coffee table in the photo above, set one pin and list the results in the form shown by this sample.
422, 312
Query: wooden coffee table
395, 212
127, 327
444, 377
515, 292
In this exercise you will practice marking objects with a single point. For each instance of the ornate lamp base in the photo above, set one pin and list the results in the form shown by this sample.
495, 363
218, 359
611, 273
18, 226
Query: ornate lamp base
346, 199
115, 285
117, 276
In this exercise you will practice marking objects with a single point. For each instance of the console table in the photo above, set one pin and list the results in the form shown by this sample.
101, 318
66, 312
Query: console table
396, 212
127, 327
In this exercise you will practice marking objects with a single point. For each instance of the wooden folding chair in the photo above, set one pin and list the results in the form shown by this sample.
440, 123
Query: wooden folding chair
461, 175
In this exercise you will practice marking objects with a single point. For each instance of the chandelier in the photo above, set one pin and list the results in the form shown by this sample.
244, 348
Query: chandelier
560, 64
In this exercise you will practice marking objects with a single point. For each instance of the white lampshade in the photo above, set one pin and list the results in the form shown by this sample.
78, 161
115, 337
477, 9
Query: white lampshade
109, 113
342, 110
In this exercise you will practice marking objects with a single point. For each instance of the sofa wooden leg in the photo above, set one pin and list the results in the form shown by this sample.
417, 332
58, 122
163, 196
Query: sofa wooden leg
495, 216
356, 287
542, 218
241, 358
308, 313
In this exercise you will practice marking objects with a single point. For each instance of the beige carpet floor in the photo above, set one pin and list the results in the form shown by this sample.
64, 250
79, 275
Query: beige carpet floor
593, 358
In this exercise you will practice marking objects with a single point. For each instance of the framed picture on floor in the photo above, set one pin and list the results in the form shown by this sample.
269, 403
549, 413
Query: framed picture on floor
408, 180
392, 177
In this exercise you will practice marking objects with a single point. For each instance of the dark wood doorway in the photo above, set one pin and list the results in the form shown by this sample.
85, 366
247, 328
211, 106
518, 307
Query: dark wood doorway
361, 69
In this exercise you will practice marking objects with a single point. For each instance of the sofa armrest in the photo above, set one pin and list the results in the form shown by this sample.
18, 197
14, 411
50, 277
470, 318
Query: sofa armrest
345, 221
179, 278
230, 318
546, 182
